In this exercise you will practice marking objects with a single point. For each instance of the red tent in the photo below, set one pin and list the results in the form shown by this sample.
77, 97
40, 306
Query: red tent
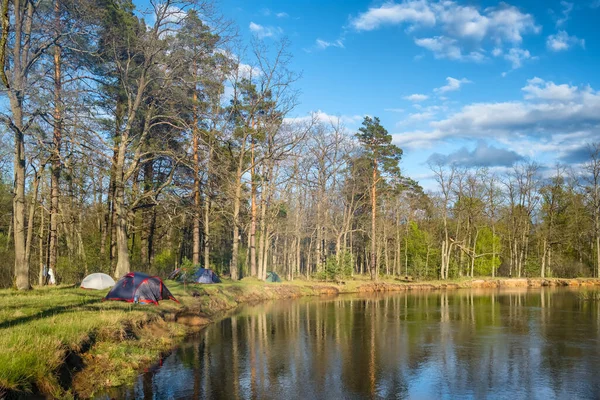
137, 287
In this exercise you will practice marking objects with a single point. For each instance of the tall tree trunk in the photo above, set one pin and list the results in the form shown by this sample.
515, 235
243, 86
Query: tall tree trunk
386, 250
207, 205
123, 266
21, 264
318, 249
493, 250
598, 254
262, 239
32, 208
373, 265
16, 87
105, 220
148, 218
544, 253
151, 234
474, 254
197, 203
266, 231
111, 209
308, 258
253, 212
56, 144
41, 246
4, 39
81, 248
234, 269
298, 255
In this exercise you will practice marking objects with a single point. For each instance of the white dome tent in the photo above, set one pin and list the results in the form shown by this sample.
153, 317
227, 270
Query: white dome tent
97, 281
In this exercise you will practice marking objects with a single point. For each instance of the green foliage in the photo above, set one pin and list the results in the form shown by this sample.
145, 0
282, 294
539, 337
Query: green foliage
378, 144
165, 261
188, 267
69, 270
487, 243
417, 246
7, 260
336, 267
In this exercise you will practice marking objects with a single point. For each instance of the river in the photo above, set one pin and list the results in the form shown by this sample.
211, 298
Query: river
525, 344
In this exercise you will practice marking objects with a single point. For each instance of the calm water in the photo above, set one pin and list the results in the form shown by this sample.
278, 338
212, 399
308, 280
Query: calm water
460, 344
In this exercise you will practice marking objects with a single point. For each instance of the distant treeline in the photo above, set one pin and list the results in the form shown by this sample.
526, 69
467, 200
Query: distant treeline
150, 139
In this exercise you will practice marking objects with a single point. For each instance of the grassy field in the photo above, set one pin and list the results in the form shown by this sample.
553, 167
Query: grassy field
43, 328
47, 335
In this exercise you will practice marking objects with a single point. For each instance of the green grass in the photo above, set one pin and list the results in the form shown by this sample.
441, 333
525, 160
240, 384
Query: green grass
39, 328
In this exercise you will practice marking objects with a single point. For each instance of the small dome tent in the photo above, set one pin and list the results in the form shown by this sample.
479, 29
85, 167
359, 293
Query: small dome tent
140, 288
178, 272
97, 281
204, 275
272, 277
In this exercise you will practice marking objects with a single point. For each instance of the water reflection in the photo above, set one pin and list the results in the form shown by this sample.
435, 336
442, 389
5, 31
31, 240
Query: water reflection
525, 344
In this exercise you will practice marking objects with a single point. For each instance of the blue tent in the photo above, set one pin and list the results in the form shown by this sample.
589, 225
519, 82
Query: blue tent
204, 275
272, 277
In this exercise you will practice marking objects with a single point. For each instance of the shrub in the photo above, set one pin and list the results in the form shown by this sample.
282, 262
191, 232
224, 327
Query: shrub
336, 267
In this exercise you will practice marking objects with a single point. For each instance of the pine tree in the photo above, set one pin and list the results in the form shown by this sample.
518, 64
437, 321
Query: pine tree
384, 157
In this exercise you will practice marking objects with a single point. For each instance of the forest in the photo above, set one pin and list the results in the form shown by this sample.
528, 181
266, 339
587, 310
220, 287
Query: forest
150, 139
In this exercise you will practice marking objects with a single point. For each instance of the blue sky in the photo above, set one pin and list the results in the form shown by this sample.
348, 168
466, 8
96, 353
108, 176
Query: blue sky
477, 83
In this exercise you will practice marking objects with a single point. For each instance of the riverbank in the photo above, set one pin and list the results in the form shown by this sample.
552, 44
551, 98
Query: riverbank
63, 341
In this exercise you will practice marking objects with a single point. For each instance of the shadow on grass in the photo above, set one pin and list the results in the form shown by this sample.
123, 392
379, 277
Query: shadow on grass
47, 313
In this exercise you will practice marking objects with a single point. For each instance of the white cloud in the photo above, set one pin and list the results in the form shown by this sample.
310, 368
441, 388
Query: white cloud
503, 23
516, 56
558, 113
416, 117
415, 12
282, 15
462, 21
507, 23
497, 52
262, 31
421, 116
567, 8
424, 114
445, 47
417, 97
563, 41
323, 117
537, 88
461, 32
322, 44
453, 84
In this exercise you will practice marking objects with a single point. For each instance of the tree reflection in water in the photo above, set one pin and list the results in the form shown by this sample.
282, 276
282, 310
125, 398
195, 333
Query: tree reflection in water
521, 344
